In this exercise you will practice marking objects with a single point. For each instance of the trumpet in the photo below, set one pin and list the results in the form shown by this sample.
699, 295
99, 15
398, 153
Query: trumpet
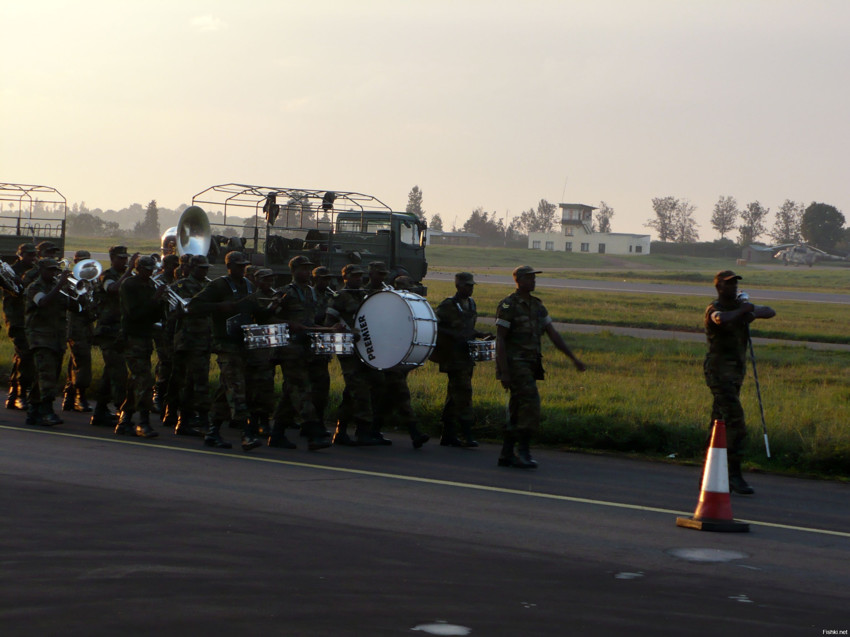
174, 300
79, 283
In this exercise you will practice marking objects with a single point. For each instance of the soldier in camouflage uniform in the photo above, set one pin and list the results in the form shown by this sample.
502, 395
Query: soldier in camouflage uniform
14, 306
142, 305
727, 321
163, 339
108, 336
230, 302
45, 321
188, 403
260, 370
81, 316
296, 305
456, 317
44, 250
359, 378
521, 320
319, 375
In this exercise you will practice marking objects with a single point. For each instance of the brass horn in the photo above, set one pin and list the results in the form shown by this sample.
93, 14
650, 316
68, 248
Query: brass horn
193, 232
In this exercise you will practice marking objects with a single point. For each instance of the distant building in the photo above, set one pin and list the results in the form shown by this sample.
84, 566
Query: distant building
576, 235
438, 237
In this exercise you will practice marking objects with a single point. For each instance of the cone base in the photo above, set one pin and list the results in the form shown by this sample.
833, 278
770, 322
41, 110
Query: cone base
722, 526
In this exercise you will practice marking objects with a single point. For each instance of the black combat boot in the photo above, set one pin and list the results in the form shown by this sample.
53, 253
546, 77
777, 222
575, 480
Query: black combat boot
213, 437
277, 437
81, 404
32, 414
125, 424
47, 416
737, 484
341, 436
68, 396
12, 398
417, 437
144, 429
317, 436
249, 439
186, 426
448, 437
101, 416
466, 431
260, 424
170, 416
524, 452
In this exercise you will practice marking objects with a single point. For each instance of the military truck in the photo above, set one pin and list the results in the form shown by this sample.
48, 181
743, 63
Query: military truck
30, 214
331, 227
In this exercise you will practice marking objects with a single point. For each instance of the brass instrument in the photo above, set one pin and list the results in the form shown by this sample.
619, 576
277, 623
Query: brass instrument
174, 299
9, 280
193, 232
79, 284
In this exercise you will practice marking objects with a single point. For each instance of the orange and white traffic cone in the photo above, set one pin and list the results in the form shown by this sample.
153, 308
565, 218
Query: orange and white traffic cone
714, 510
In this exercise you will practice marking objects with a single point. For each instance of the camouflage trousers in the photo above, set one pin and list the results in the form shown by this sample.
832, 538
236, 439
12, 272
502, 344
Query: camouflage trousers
164, 345
297, 402
140, 379
356, 404
259, 379
392, 396
230, 400
189, 386
524, 403
48, 365
113, 382
23, 365
458, 407
726, 406
79, 364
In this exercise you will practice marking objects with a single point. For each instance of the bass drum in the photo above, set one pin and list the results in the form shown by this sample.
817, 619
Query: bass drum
398, 330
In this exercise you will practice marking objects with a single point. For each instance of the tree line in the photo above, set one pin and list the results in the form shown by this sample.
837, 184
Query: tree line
818, 224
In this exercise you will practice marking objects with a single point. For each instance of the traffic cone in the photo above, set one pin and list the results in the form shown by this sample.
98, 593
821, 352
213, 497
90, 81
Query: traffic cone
714, 510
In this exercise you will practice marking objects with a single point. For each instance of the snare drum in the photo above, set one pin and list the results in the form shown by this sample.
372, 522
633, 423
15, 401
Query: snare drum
482, 350
397, 330
332, 343
265, 336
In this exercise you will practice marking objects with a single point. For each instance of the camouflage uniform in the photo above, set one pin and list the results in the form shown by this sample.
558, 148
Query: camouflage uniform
139, 311
260, 370
188, 388
109, 338
45, 327
14, 307
163, 339
525, 321
456, 320
81, 315
724, 368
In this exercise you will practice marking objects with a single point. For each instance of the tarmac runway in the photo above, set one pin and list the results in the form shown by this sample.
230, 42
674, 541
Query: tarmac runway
105, 535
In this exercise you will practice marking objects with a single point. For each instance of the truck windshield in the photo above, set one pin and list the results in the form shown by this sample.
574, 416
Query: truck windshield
409, 233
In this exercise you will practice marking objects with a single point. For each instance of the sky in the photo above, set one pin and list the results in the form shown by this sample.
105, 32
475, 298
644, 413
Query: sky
478, 102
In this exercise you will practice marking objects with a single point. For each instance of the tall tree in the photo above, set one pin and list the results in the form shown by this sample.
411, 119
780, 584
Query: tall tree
603, 217
488, 227
148, 228
752, 223
822, 226
684, 224
664, 209
725, 215
540, 220
436, 222
786, 228
414, 202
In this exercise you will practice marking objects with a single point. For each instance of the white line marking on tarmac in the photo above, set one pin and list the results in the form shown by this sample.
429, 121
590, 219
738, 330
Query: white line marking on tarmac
434, 481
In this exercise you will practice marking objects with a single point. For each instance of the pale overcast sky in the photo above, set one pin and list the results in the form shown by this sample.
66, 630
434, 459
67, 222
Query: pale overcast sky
479, 103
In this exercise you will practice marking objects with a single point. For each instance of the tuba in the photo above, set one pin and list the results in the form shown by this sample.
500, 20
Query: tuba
193, 232
80, 283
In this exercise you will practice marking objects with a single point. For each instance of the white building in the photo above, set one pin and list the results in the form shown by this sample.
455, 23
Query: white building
576, 235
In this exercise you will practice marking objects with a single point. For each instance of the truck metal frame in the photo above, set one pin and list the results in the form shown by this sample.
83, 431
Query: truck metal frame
23, 216
331, 227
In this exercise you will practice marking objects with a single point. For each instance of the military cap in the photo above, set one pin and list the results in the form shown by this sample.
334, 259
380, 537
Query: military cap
186, 259
26, 248
725, 275
170, 260
44, 246
234, 257
351, 268
146, 263
118, 251
525, 269
263, 272
49, 264
82, 255
199, 261
321, 271
300, 260
403, 283
465, 277
379, 266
